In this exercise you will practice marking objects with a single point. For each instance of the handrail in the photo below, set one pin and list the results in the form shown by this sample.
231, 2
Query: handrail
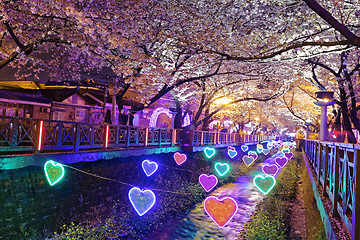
42, 135
337, 171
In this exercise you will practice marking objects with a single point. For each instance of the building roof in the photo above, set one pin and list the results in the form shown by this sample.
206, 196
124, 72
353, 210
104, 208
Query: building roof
98, 97
24, 96
58, 95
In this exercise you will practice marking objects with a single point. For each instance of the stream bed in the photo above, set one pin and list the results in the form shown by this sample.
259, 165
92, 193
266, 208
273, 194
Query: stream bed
198, 225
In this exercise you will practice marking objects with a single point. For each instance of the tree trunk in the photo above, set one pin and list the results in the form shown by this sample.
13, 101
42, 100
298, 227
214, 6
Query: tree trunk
345, 115
206, 123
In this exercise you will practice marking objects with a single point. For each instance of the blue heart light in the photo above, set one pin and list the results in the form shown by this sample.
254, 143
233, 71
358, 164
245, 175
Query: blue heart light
232, 153
244, 148
149, 167
142, 201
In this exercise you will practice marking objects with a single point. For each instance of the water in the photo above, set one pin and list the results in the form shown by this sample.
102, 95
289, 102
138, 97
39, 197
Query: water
198, 225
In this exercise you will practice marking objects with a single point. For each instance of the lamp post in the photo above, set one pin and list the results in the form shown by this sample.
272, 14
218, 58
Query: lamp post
325, 99
173, 113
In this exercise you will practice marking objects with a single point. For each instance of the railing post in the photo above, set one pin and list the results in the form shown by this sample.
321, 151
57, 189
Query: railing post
321, 148
326, 162
159, 129
173, 136
117, 135
191, 138
77, 137
345, 180
137, 135
202, 139
59, 133
336, 182
14, 132
127, 140
355, 230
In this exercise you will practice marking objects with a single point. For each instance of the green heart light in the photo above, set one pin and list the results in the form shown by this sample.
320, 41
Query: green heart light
222, 168
265, 183
209, 152
54, 172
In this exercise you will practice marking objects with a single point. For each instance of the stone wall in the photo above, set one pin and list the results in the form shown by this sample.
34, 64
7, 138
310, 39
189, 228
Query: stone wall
32, 209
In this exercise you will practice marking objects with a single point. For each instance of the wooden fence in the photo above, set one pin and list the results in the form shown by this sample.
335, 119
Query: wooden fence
337, 171
39, 135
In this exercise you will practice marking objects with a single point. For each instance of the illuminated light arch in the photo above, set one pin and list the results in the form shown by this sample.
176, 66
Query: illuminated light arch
211, 126
155, 115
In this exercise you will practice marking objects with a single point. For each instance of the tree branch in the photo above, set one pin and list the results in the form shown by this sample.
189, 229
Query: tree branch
324, 14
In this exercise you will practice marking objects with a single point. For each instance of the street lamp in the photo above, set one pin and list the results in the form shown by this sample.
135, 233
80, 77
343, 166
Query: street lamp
325, 99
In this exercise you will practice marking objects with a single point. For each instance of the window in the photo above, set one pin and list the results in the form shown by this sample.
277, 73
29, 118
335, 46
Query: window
58, 116
80, 113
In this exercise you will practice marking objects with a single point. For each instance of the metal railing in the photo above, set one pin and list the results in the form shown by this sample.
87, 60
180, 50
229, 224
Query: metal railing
337, 171
39, 135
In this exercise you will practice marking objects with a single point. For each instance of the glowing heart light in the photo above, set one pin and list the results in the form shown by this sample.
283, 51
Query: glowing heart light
142, 201
266, 151
208, 182
209, 152
180, 158
253, 154
222, 168
248, 160
244, 148
149, 167
232, 152
288, 155
269, 145
221, 211
281, 161
264, 183
54, 172
271, 169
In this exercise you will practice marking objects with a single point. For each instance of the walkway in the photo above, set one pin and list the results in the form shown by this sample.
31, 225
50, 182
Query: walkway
198, 225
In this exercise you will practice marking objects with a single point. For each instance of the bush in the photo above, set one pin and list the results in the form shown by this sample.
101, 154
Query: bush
270, 218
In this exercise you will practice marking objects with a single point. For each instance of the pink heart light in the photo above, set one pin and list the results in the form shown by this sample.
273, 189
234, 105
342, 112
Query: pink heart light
179, 158
221, 211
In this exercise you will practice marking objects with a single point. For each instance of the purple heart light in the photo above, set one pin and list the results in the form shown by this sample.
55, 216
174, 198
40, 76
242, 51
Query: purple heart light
271, 169
208, 182
281, 162
253, 154
288, 155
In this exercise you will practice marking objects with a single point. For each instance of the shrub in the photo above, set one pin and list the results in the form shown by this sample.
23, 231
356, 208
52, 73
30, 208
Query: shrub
270, 218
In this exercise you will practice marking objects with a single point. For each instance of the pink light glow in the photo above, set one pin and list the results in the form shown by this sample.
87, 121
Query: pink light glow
106, 136
154, 116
